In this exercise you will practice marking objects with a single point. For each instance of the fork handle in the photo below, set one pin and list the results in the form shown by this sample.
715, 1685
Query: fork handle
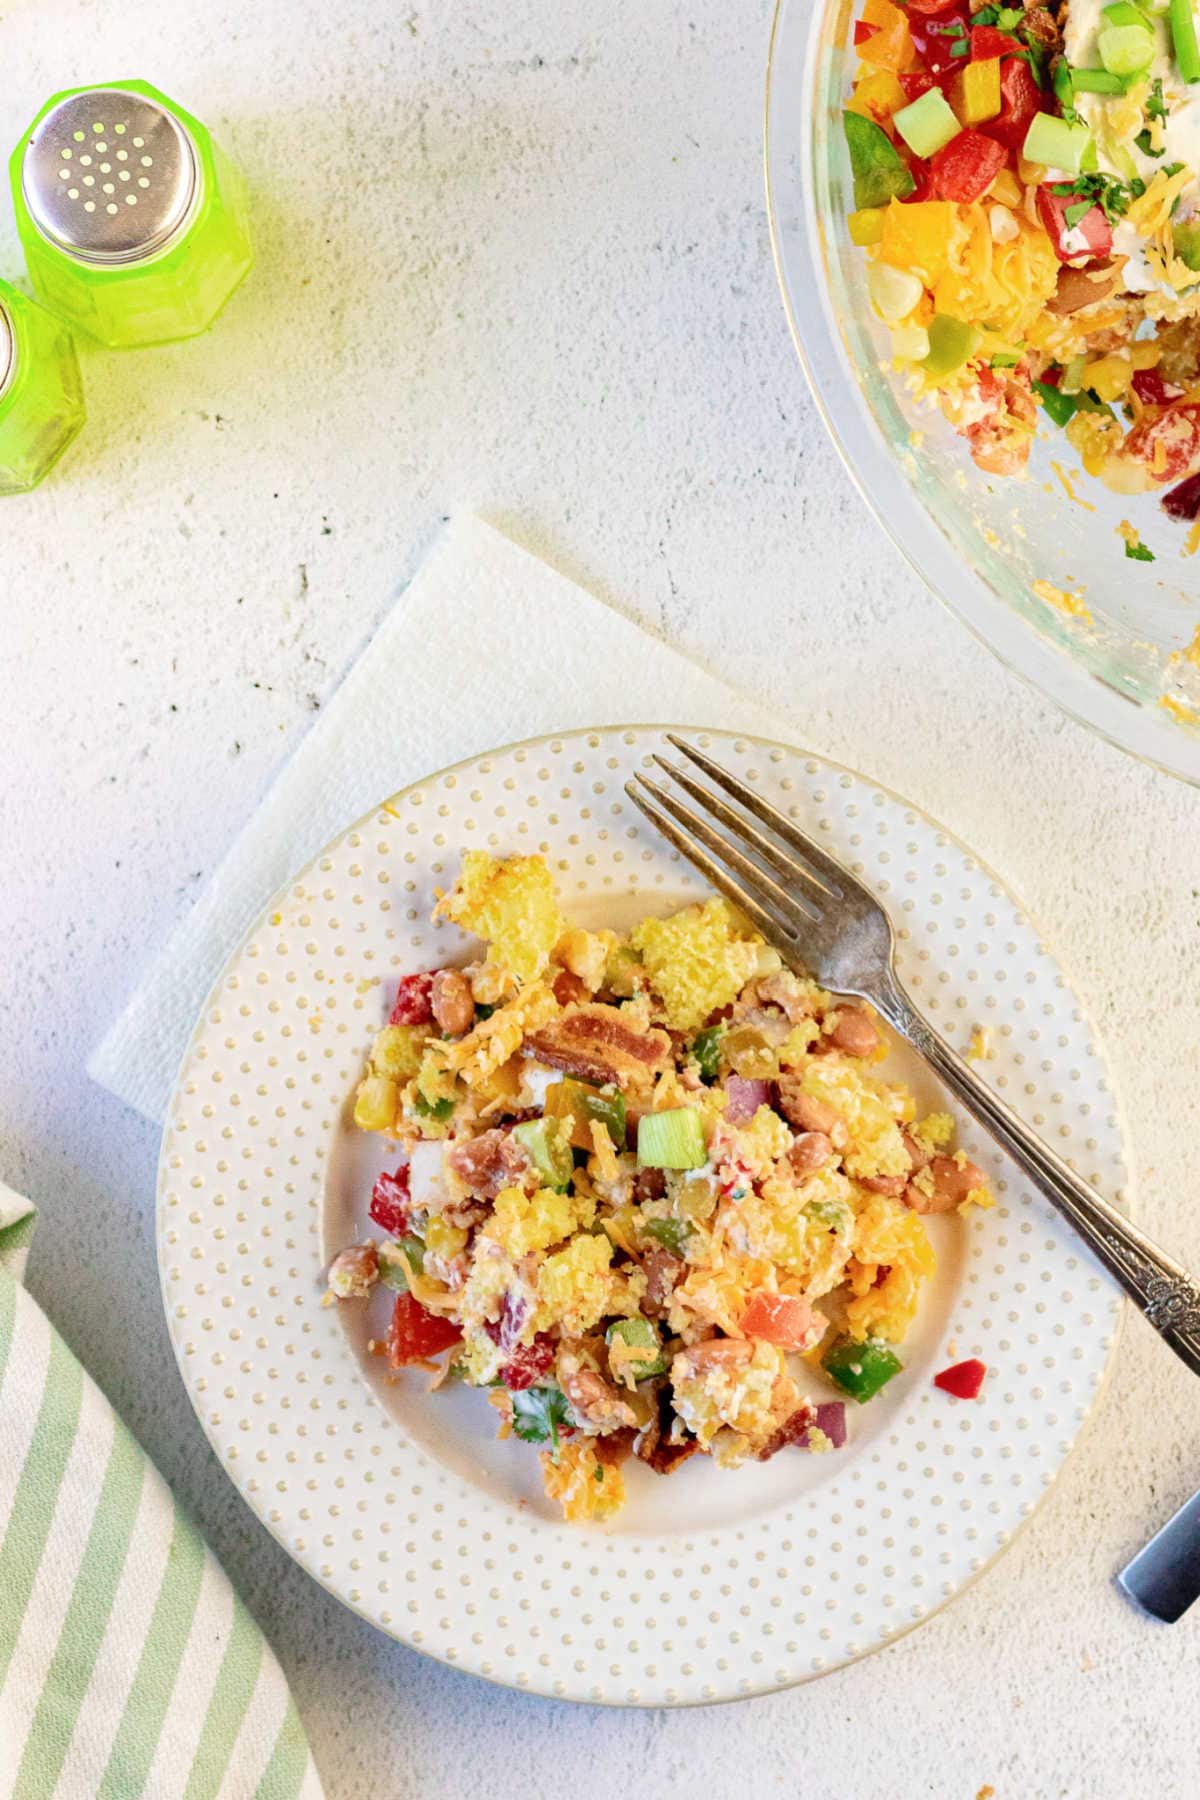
1159, 1286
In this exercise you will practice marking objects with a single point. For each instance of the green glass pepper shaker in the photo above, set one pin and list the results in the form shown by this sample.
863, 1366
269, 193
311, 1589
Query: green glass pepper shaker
133, 221
41, 397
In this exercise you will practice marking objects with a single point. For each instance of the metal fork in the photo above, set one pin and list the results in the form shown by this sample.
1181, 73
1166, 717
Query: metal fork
821, 918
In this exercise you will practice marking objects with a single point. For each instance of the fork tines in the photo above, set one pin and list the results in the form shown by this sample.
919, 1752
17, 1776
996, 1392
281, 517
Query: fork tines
739, 861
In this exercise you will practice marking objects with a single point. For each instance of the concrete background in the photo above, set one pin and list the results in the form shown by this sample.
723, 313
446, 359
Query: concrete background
513, 257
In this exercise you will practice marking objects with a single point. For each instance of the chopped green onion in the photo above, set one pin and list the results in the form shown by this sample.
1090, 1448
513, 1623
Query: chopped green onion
671, 1140
1183, 36
548, 1149
1055, 142
1156, 106
1138, 552
928, 123
879, 171
1098, 81
434, 1109
1064, 91
1127, 49
1142, 140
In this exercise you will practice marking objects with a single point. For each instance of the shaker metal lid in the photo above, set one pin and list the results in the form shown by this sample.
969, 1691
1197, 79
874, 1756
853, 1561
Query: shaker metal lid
8, 350
109, 176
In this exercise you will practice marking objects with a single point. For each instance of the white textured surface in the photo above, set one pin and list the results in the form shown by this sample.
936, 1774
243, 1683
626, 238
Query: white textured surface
513, 257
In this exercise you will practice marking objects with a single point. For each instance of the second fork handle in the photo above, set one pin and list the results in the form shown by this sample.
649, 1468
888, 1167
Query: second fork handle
1161, 1288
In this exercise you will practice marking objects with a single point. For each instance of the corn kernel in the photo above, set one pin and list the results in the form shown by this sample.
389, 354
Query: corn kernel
866, 226
375, 1105
1007, 189
445, 1240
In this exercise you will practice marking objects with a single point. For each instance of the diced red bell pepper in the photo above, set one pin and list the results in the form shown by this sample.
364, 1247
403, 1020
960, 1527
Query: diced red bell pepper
1169, 444
528, 1364
1088, 241
964, 1380
916, 82
934, 39
1152, 390
1020, 100
987, 42
777, 1319
1052, 376
966, 167
1183, 502
414, 1001
416, 1334
863, 32
918, 168
390, 1202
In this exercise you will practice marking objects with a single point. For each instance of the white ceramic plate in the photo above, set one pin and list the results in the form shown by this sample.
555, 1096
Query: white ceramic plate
712, 1584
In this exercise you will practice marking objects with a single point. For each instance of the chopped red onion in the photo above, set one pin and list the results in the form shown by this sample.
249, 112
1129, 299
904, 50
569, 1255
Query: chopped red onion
831, 1419
744, 1099
1183, 502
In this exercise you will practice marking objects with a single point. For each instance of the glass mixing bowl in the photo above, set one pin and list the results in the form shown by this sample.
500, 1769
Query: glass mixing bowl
981, 543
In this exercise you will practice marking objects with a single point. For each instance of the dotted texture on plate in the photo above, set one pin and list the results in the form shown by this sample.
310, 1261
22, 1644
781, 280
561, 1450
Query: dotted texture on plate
789, 1581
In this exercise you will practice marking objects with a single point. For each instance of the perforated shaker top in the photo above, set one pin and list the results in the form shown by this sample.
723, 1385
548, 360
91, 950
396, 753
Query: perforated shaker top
110, 177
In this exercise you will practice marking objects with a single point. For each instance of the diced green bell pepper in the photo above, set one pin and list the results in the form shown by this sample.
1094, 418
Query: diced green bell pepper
706, 1048
672, 1234
860, 1370
671, 1140
391, 1269
577, 1103
641, 1335
951, 344
1187, 243
548, 1150
879, 171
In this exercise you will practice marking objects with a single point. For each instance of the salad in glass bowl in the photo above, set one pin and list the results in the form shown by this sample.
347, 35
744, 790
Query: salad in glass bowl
1027, 196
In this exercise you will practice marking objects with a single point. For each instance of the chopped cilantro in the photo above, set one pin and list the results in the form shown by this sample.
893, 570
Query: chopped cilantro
537, 1413
1099, 190
434, 1109
598, 1472
1142, 140
987, 15
1009, 17
1156, 106
961, 48
483, 1010
1138, 552
1073, 214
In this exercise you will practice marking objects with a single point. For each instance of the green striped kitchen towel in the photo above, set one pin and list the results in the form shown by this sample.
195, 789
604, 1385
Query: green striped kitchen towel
128, 1666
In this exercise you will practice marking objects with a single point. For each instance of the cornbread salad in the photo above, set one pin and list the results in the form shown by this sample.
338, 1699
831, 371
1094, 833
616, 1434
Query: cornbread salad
1027, 192
644, 1185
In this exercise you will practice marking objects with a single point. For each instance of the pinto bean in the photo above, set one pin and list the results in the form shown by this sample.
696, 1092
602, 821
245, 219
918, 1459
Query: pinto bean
662, 1275
1078, 288
952, 1183
354, 1271
807, 1113
918, 1157
854, 1032
811, 1150
452, 1001
595, 1399
885, 1184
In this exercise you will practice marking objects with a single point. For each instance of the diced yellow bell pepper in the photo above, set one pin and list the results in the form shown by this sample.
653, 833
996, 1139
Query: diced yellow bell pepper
866, 227
877, 96
891, 47
975, 92
916, 237
1007, 189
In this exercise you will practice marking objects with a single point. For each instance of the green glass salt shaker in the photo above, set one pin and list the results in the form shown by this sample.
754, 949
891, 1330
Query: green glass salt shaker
134, 223
41, 397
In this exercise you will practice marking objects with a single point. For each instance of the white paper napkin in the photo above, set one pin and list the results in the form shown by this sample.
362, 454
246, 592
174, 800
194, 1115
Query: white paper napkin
500, 647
